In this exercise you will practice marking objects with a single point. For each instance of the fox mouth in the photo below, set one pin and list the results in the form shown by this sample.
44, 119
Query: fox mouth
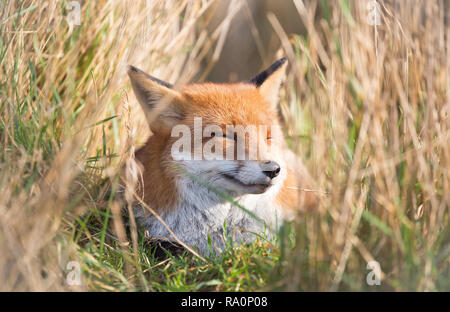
253, 188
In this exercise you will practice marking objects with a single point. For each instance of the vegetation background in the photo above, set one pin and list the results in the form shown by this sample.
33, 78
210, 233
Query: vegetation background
366, 103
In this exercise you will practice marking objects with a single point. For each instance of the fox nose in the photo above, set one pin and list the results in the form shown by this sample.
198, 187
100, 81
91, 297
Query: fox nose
271, 169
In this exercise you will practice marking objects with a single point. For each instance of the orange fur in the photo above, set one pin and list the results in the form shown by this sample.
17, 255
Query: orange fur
159, 189
296, 194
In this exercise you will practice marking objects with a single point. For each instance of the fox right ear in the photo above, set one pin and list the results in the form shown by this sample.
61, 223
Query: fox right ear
268, 82
161, 104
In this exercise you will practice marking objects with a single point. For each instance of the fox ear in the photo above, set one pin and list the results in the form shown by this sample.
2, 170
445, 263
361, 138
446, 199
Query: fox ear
161, 104
268, 82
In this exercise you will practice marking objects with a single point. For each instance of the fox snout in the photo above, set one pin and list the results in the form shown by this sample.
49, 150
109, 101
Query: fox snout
271, 169
247, 177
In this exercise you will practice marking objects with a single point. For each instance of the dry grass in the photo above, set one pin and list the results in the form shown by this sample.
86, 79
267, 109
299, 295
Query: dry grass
367, 107
378, 102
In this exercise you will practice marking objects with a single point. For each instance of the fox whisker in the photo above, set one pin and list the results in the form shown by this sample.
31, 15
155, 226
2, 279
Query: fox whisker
307, 190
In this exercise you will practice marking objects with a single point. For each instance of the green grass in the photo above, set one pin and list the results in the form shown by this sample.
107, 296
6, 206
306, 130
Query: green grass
239, 269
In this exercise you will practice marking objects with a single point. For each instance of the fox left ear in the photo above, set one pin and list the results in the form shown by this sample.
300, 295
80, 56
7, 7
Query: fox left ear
268, 82
162, 105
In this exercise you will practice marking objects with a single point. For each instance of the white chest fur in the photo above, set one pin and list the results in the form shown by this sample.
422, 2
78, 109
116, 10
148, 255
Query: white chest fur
201, 213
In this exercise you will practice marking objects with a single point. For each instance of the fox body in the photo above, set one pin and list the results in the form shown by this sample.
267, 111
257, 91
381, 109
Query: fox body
201, 197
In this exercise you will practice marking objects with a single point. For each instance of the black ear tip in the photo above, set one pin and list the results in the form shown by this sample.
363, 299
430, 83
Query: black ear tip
281, 61
261, 77
132, 69
135, 70
278, 63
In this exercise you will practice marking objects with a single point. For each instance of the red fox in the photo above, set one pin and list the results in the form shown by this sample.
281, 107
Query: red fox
204, 198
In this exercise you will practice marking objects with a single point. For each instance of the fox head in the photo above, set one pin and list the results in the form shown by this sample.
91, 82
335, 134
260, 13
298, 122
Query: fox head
227, 135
